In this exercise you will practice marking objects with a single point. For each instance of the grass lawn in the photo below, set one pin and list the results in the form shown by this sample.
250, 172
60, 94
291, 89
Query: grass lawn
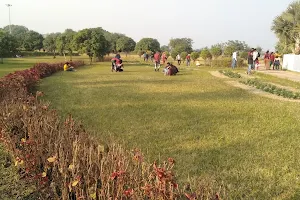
248, 143
16, 64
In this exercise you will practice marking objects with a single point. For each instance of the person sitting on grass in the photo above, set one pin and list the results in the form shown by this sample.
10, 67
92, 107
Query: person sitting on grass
68, 67
170, 70
116, 64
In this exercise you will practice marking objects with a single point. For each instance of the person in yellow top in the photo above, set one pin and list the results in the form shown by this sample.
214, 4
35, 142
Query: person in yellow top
68, 67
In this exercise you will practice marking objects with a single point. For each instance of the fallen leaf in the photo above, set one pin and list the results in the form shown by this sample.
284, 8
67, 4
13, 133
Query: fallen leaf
74, 183
52, 159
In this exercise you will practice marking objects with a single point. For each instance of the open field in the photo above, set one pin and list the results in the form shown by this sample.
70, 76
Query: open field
246, 142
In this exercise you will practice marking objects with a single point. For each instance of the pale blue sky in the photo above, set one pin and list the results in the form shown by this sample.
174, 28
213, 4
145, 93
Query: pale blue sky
205, 21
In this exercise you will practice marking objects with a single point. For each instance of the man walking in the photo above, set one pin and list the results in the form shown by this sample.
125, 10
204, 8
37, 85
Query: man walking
188, 60
178, 58
156, 61
234, 60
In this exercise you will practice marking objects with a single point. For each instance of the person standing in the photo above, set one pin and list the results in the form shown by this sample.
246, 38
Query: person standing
178, 58
188, 60
164, 58
267, 60
255, 56
250, 62
156, 61
234, 60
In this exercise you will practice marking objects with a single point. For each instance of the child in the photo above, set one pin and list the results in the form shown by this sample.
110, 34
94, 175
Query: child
277, 63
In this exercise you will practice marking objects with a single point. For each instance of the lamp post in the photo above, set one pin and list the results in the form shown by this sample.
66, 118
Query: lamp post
9, 5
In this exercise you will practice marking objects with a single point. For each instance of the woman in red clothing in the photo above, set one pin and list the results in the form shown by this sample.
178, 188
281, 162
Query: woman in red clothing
267, 60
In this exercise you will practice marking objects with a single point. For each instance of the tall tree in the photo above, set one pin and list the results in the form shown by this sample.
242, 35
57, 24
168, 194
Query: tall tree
181, 44
65, 42
8, 45
147, 44
287, 28
49, 43
33, 41
125, 44
18, 32
216, 50
112, 38
92, 42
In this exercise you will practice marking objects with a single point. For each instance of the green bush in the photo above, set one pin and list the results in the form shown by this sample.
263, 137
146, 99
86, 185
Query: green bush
272, 89
226, 62
40, 53
230, 74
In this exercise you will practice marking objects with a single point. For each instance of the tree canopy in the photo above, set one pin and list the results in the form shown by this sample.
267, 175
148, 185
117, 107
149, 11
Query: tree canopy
146, 44
181, 45
287, 28
8, 45
33, 41
125, 44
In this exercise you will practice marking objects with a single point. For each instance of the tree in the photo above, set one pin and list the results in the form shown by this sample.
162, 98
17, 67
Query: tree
181, 44
64, 42
195, 56
205, 54
216, 51
244, 55
236, 45
8, 45
228, 50
174, 53
33, 41
18, 32
167, 54
92, 42
164, 48
112, 38
49, 43
287, 28
125, 44
146, 44
183, 55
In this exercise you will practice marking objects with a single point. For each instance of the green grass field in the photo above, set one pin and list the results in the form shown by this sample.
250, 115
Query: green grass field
247, 143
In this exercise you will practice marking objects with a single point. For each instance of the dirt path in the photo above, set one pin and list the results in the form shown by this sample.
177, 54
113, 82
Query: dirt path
250, 88
293, 76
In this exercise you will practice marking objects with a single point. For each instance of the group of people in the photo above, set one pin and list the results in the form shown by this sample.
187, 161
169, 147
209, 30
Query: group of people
169, 70
187, 58
271, 60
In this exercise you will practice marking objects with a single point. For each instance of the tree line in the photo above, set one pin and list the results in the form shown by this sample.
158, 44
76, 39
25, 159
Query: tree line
97, 42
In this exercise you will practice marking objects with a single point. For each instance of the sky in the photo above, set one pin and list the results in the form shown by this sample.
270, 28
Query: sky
207, 22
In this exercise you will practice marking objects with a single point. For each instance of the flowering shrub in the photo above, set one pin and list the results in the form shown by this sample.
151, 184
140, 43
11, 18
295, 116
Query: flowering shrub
65, 162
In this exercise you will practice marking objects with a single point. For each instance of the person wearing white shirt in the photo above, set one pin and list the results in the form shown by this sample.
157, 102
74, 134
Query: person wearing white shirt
178, 58
234, 60
255, 56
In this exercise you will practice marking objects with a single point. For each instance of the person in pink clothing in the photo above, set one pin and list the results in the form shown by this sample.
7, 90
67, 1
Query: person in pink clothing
156, 61
164, 58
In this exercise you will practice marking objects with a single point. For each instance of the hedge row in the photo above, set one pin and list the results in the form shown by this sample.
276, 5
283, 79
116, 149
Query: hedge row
272, 89
226, 62
65, 162
230, 74
41, 53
